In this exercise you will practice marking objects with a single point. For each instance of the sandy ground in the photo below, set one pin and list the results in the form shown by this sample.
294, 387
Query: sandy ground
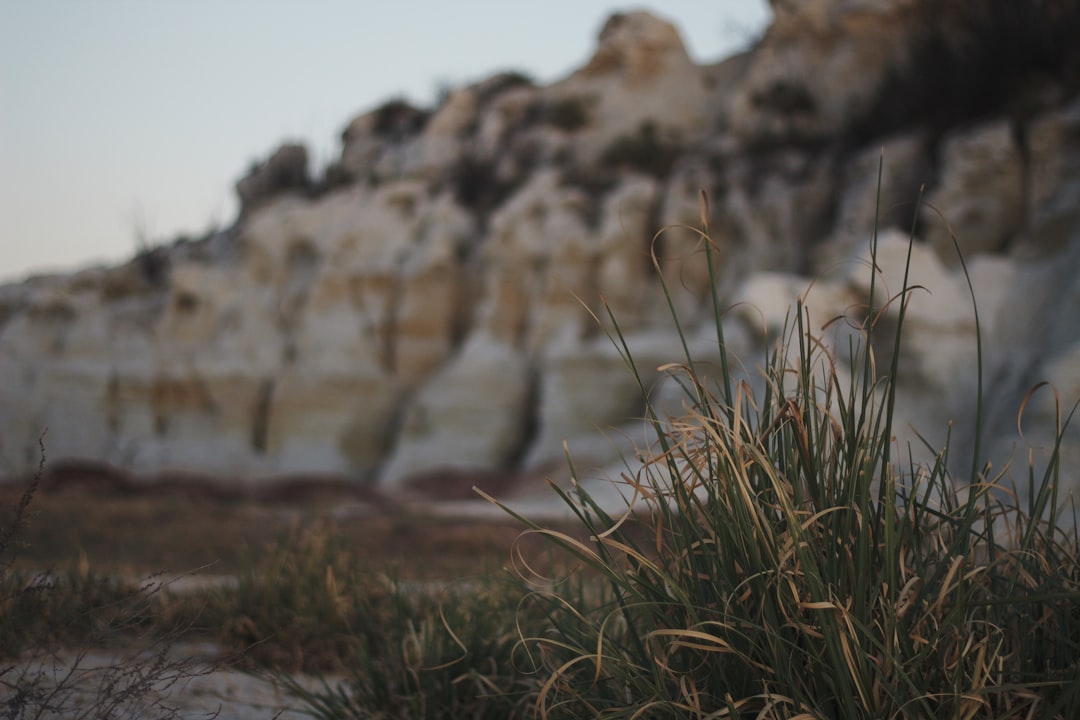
137, 686
125, 531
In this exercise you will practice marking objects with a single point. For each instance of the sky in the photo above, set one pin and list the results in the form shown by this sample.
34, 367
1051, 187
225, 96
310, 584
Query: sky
125, 122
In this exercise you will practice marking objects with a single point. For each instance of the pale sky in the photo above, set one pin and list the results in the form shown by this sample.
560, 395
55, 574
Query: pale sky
121, 117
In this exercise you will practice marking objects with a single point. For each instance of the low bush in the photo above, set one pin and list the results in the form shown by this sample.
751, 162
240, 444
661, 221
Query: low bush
334, 177
971, 59
397, 119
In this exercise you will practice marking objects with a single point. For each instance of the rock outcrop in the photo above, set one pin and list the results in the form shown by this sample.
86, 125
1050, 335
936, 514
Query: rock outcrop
285, 171
433, 305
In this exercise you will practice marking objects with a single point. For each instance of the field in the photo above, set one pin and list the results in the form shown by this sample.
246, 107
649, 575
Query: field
137, 535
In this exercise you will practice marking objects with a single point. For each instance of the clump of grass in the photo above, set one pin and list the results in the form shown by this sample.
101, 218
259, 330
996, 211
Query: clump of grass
72, 608
299, 609
435, 653
42, 614
44, 610
783, 560
420, 650
15, 523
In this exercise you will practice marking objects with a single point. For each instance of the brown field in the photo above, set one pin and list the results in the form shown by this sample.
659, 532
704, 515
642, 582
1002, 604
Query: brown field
141, 533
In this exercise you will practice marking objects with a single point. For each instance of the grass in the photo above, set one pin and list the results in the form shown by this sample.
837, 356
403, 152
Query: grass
308, 593
782, 560
428, 652
41, 614
779, 557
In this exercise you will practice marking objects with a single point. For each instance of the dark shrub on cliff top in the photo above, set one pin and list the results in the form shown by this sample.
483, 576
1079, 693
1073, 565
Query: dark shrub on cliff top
974, 58
397, 118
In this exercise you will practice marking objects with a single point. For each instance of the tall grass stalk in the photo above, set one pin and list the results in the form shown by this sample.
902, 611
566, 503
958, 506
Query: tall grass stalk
781, 559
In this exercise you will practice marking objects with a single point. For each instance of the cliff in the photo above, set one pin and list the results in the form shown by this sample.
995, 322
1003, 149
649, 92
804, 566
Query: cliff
422, 306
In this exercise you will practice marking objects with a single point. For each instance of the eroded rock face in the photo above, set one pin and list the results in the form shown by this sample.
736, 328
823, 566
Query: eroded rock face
440, 302
981, 190
820, 68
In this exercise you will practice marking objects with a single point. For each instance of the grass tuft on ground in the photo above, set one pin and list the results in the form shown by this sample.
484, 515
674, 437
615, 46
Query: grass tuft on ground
781, 559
